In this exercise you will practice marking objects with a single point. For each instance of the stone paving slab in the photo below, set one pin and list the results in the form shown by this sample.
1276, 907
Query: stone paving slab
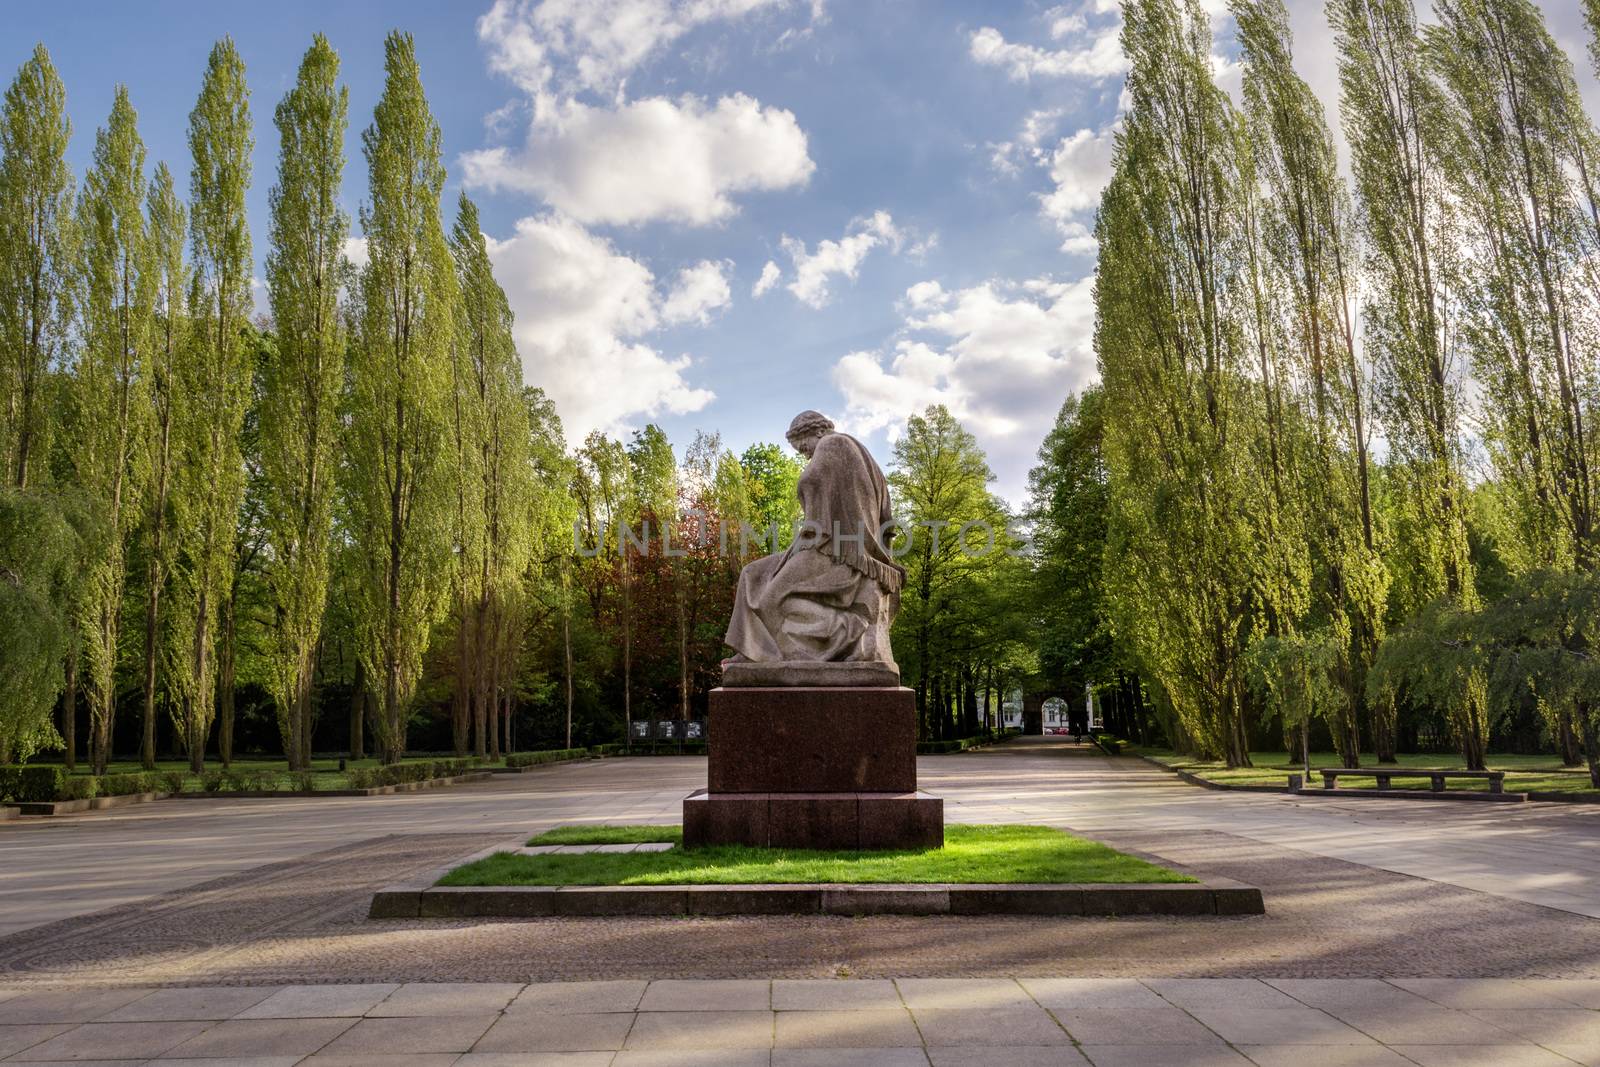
1007, 1023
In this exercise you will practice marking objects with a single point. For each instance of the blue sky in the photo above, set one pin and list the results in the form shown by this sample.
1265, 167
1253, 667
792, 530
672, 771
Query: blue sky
714, 213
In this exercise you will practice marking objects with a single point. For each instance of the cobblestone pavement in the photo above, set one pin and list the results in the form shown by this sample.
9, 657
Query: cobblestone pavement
1034, 1022
302, 919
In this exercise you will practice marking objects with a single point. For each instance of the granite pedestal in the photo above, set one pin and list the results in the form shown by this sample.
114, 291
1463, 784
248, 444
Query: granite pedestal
823, 768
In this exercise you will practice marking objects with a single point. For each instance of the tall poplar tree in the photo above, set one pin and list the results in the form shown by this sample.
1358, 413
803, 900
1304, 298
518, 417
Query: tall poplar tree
397, 485
216, 384
1308, 238
1516, 136
35, 261
301, 380
168, 220
109, 406
1393, 115
493, 482
1168, 338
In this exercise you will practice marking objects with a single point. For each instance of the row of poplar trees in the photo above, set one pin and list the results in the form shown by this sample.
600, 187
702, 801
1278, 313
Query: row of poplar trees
377, 417
1325, 401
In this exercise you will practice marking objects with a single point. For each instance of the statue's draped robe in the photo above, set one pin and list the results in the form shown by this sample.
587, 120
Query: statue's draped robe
833, 593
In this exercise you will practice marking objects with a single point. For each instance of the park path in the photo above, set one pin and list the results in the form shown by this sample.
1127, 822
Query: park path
1541, 854
275, 891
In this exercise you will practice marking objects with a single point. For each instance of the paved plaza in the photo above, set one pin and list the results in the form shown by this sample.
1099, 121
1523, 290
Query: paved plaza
945, 1022
234, 931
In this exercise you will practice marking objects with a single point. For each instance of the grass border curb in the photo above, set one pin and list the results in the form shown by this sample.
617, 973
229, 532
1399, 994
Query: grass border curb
1532, 796
420, 898
73, 807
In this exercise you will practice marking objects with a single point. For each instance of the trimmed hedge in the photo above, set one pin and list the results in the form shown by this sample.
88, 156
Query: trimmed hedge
961, 744
515, 760
34, 784
1110, 743
400, 773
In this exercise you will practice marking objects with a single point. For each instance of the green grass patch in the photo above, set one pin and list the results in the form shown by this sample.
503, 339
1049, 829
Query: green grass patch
610, 835
970, 854
1524, 774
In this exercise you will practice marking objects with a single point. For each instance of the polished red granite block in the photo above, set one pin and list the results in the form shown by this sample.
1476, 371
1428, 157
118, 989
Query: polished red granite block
813, 820
834, 821
904, 820
725, 820
812, 740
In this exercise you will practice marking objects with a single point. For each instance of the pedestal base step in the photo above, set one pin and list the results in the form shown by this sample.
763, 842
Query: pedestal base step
837, 821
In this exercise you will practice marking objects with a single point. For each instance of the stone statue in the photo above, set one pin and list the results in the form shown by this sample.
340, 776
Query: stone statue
818, 613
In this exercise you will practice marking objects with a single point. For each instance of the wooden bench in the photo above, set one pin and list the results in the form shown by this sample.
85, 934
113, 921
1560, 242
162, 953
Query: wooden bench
1331, 775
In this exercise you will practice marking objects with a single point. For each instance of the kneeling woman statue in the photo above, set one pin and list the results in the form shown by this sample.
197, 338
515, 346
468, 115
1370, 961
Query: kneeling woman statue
819, 612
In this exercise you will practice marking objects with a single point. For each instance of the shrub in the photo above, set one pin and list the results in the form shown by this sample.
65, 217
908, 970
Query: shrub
172, 781
259, 780
36, 785
305, 781
212, 781
122, 785
553, 755
10, 781
78, 787
361, 777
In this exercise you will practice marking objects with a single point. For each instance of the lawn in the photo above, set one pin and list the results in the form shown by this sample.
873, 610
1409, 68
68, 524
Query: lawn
970, 854
1524, 774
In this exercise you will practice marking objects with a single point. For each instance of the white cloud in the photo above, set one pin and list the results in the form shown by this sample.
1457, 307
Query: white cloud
814, 270
1000, 355
1092, 52
594, 44
618, 161
769, 277
700, 290
1080, 166
583, 310
649, 159
355, 250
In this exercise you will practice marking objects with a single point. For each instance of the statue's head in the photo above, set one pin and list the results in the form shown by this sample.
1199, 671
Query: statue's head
807, 429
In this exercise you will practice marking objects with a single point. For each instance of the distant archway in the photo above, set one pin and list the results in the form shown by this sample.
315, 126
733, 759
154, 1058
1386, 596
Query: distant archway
1048, 709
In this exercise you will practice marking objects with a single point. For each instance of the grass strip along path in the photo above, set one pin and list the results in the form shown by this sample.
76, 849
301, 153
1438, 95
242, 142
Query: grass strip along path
1524, 774
971, 854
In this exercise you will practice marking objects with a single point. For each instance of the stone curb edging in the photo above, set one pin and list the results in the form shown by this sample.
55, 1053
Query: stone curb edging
72, 807
421, 898
1413, 794
1204, 783
1563, 798
1211, 898
1402, 794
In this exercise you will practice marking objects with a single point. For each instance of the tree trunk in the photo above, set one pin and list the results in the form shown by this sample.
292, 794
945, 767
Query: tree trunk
69, 713
461, 700
491, 697
225, 680
147, 749
1590, 724
358, 714
566, 649
505, 720
1567, 740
